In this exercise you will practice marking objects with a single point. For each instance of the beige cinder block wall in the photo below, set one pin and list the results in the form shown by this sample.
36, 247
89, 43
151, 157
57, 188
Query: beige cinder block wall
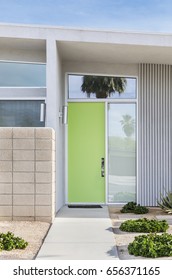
27, 174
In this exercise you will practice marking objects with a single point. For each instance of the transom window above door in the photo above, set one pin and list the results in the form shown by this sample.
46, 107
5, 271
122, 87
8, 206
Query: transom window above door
94, 87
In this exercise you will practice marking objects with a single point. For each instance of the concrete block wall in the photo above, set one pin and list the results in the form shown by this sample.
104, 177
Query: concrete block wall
27, 174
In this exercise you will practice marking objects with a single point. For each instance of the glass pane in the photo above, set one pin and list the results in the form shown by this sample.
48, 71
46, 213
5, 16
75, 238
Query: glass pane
122, 153
101, 87
22, 113
22, 74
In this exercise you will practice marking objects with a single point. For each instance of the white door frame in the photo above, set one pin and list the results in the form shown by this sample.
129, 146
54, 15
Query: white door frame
106, 101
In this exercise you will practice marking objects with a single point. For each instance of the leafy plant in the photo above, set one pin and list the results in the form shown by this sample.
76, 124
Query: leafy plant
166, 202
144, 225
141, 209
132, 207
9, 242
129, 207
151, 245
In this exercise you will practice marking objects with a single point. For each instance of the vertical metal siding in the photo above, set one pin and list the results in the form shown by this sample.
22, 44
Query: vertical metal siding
155, 132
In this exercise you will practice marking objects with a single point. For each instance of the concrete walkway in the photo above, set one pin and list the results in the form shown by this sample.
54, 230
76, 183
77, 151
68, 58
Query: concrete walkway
83, 234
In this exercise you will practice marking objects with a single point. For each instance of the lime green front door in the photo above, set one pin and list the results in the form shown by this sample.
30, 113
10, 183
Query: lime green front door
86, 152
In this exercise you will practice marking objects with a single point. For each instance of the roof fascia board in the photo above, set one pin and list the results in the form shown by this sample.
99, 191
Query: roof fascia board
83, 35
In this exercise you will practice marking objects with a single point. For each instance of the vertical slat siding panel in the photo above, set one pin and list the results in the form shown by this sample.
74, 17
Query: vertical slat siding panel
168, 144
152, 124
155, 132
147, 126
140, 134
170, 130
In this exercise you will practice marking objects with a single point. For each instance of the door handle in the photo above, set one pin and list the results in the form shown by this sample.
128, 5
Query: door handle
102, 167
42, 112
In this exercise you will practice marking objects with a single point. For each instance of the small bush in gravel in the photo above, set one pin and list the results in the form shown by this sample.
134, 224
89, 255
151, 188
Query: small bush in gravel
132, 207
129, 207
144, 225
141, 209
151, 245
9, 242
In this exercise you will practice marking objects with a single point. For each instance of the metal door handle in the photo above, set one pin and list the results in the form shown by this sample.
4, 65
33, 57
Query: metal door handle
42, 112
102, 167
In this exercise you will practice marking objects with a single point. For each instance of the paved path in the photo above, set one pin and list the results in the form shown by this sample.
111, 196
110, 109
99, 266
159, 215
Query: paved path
83, 234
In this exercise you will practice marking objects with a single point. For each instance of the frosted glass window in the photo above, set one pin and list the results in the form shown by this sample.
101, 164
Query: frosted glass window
22, 74
121, 153
75, 87
21, 113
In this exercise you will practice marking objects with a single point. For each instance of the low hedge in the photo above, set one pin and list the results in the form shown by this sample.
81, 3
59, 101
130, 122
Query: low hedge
132, 207
151, 245
144, 225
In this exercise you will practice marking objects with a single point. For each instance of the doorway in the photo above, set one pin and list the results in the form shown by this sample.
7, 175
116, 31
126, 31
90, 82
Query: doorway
102, 136
86, 152
87, 176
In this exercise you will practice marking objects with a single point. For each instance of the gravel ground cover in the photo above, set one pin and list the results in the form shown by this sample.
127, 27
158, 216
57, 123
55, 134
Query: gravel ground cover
35, 232
32, 232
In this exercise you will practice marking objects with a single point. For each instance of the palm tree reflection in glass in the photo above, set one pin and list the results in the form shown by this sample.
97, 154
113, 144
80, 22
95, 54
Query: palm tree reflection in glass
103, 87
128, 125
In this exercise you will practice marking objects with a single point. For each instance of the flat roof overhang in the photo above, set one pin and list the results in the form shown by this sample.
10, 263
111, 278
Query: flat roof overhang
114, 53
86, 45
22, 44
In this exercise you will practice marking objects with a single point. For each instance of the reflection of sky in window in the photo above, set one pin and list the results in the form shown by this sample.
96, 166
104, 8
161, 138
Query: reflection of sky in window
22, 74
75, 82
115, 115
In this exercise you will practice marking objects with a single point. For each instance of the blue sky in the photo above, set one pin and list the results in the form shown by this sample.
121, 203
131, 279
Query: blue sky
134, 15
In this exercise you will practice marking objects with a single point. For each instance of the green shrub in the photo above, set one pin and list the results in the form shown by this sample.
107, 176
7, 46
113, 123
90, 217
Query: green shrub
132, 207
9, 242
151, 245
140, 209
144, 225
129, 207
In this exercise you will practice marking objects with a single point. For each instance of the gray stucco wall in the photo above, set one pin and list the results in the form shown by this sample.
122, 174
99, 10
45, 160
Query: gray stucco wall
27, 174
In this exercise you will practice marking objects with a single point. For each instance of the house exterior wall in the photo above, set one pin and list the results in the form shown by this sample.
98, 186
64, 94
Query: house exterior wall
61, 130
27, 174
21, 53
155, 132
54, 102
105, 53
101, 68
52, 93
41, 51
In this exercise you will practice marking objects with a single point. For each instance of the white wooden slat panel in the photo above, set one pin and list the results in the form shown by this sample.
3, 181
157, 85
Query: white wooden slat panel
155, 132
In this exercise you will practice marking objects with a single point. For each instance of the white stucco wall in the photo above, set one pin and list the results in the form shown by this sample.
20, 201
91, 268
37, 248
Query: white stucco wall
23, 55
60, 176
23, 50
101, 68
54, 104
